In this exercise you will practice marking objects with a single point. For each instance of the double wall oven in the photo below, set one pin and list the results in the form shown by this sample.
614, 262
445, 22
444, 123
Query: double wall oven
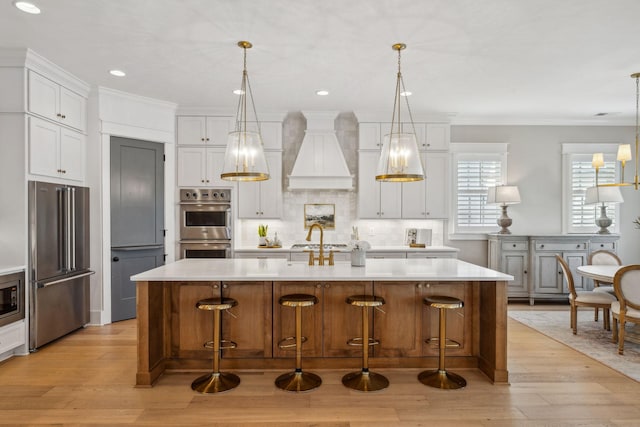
205, 223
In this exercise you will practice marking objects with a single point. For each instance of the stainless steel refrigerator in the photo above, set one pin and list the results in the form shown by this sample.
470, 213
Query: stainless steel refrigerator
58, 261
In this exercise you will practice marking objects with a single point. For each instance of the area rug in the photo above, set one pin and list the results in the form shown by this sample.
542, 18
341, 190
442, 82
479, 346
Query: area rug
591, 340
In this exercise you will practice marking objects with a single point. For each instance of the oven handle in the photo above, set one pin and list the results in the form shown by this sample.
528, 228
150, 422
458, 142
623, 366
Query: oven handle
205, 204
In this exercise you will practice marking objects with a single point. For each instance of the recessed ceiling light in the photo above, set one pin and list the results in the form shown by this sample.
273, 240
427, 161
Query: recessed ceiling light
27, 7
117, 73
238, 92
405, 93
322, 92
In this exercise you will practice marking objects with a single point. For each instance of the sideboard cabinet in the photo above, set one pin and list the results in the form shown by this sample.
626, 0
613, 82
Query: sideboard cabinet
531, 260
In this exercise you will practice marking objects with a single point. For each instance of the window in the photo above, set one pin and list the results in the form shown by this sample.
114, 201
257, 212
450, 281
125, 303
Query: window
476, 167
580, 175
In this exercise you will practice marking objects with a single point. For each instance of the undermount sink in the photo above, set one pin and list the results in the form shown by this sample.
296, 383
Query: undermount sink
316, 246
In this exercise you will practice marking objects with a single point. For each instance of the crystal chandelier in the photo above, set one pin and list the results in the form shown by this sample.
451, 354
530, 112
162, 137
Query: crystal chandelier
624, 151
400, 159
244, 158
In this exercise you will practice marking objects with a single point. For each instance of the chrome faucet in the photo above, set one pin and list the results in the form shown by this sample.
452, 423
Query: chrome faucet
320, 258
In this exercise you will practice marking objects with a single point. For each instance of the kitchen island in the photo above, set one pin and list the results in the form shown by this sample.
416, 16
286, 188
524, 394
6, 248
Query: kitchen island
171, 332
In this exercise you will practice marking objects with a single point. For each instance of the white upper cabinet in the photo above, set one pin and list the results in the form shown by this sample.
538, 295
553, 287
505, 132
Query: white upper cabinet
372, 134
55, 102
379, 200
55, 151
204, 130
438, 136
263, 199
271, 135
201, 167
427, 199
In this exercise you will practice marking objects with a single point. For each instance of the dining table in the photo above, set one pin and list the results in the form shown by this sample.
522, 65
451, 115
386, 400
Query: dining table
605, 274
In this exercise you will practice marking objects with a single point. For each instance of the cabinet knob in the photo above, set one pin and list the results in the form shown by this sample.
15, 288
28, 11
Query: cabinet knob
116, 259
327, 286
428, 145
202, 180
207, 180
63, 171
318, 286
207, 139
58, 115
542, 246
215, 286
63, 116
601, 245
225, 286
419, 285
428, 213
257, 213
577, 246
525, 272
201, 139
514, 245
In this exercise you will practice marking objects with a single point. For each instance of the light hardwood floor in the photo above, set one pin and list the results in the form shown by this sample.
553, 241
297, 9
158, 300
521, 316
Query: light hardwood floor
87, 378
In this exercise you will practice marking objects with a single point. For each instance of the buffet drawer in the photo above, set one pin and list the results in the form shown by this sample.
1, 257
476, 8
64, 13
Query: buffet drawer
514, 246
557, 246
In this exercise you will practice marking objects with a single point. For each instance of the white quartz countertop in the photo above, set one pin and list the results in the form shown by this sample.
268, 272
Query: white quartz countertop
8, 269
398, 248
235, 269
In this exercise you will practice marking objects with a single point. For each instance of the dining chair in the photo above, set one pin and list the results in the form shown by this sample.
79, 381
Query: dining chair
602, 257
626, 284
584, 298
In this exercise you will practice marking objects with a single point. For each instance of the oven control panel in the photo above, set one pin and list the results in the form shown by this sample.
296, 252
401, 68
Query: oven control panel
205, 195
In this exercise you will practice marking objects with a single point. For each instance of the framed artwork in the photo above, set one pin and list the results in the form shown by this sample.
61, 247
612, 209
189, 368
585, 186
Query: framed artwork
323, 214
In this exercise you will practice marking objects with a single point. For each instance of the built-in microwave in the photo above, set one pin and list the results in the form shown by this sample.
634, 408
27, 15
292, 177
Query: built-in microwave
11, 298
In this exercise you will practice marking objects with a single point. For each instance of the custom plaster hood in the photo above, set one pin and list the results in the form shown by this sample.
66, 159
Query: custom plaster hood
320, 164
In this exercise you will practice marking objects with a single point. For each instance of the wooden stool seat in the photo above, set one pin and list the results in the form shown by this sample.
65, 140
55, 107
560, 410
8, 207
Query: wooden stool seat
216, 381
365, 380
441, 378
297, 380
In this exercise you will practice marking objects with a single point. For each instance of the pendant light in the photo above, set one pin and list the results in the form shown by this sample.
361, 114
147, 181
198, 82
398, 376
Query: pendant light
400, 159
624, 151
244, 158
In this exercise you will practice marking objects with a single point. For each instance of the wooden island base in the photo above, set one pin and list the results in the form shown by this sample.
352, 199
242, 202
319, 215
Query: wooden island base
171, 332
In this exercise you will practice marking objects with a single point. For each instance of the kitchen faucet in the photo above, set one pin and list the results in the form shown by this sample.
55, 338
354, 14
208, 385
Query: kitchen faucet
320, 258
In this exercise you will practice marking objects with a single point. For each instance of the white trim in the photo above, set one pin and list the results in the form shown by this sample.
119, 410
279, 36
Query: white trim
479, 147
470, 120
589, 147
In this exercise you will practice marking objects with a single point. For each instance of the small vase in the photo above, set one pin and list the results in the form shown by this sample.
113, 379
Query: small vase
358, 258
262, 241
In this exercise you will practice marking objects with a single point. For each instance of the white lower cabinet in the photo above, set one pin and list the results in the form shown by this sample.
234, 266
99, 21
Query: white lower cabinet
201, 167
263, 199
12, 336
55, 151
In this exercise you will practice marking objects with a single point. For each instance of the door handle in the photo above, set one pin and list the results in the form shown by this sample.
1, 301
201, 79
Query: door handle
116, 259
136, 248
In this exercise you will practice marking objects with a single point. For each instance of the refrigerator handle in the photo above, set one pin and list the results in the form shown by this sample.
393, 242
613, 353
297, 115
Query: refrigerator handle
72, 228
68, 225
62, 232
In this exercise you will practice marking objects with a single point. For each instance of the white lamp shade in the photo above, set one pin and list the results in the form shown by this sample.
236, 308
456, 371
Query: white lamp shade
624, 152
597, 161
603, 195
503, 195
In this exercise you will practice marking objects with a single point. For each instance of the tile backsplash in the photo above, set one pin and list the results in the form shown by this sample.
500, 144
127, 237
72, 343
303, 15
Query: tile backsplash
291, 229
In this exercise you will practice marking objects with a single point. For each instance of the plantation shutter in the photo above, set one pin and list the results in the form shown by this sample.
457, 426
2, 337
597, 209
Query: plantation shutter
474, 176
583, 176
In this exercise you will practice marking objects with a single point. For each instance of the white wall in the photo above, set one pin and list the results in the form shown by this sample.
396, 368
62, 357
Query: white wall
535, 165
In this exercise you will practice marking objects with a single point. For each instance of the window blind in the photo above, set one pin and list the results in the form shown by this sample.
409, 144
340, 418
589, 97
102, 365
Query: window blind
473, 178
583, 176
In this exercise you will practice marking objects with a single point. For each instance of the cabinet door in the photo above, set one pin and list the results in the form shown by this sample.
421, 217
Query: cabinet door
548, 275
343, 321
438, 136
284, 319
369, 137
191, 167
218, 129
193, 327
251, 327
414, 198
390, 200
72, 149
399, 328
575, 260
271, 189
44, 147
73, 109
437, 173
368, 187
215, 164
249, 200
43, 96
192, 130
516, 264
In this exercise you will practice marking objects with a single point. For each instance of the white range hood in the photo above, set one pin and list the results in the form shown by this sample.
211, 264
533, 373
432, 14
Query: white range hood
320, 164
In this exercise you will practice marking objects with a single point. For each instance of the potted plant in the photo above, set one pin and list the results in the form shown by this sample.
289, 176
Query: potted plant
262, 234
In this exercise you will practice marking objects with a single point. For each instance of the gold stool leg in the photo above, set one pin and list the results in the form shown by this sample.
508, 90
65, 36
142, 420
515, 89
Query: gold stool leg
216, 381
297, 380
440, 378
365, 380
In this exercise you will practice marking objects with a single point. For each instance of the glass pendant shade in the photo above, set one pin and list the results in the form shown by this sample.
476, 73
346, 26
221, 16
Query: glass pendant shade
244, 158
400, 160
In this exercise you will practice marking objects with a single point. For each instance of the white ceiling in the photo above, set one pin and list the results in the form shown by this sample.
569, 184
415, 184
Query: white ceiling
478, 61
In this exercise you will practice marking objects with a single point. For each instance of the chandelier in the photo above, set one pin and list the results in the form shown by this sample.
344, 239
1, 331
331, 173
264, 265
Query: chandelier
624, 151
400, 160
244, 158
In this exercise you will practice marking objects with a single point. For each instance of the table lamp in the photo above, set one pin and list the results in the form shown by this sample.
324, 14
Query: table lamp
503, 195
603, 195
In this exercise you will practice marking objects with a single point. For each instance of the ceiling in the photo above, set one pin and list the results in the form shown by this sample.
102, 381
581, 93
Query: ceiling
486, 62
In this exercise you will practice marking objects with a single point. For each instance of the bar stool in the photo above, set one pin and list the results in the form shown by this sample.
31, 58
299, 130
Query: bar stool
297, 380
441, 378
364, 380
216, 381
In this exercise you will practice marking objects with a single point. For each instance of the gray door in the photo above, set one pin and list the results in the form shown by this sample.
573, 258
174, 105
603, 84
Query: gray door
137, 218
